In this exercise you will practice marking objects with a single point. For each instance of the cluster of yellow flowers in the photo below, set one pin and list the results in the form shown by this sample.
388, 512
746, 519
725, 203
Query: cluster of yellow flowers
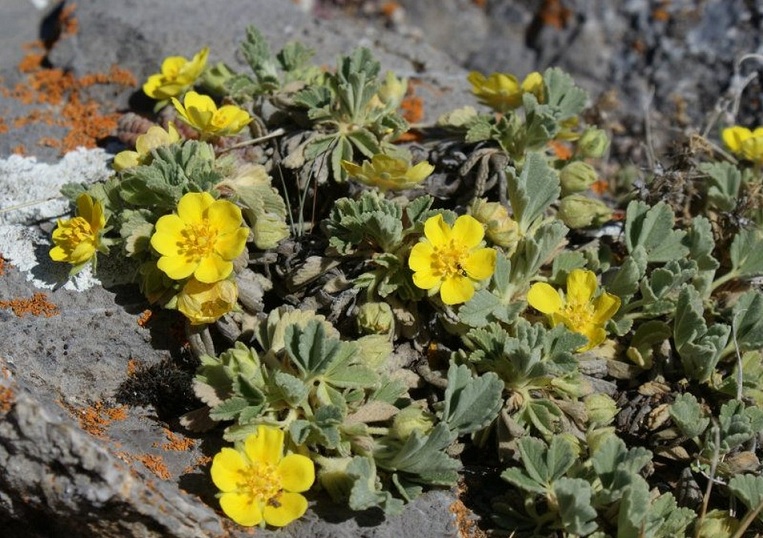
196, 245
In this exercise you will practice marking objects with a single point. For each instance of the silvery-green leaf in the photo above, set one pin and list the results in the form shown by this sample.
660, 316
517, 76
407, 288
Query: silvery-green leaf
577, 515
533, 190
724, 181
688, 415
747, 319
747, 253
471, 403
749, 489
652, 229
562, 93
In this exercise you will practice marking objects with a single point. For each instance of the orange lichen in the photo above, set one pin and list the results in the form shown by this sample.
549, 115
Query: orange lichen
62, 93
155, 464
7, 397
19, 150
133, 365
175, 442
95, 418
201, 461
3, 261
388, 9
145, 317
465, 523
561, 150
3, 126
554, 13
600, 186
67, 21
37, 305
412, 108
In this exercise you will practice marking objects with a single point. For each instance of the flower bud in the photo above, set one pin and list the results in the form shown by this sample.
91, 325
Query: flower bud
411, 419
578, 211
601, 409
213, 79
501, 229
593, 143
577, 176
375, 318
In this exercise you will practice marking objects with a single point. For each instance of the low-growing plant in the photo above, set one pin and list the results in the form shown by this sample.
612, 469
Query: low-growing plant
380, 315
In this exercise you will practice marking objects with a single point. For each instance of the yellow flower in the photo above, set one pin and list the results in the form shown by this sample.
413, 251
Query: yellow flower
578, 310
745, 143
201, 240
502, 91
153, 138
389, 173
206, 303
201, 113
178, 74
450, 260
258, 484
76, 240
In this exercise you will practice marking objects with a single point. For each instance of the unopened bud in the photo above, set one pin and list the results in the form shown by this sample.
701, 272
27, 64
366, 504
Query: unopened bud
500, 228
578, 211
375, 318
577, 176
593, 143
411, 419
213, 80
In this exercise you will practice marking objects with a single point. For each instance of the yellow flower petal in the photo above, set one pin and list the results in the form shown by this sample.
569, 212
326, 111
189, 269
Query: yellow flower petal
210, 269
437, 231
286, 508
230, 245
125, 159
544, 298
297, 473
468, 231
480, 264
176, 267
351, 168
58, 254
226, 469
266, 446
226, 215
168, 228
595, 335
605, 306
82, 253
734, 136
581, 285
191, 207
421, 257
456, 290
241, 508
427, 280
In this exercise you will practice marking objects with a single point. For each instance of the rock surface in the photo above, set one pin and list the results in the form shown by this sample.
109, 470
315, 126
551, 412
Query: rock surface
75, 458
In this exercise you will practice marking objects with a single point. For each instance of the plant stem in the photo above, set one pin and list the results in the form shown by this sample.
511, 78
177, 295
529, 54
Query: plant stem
273, 134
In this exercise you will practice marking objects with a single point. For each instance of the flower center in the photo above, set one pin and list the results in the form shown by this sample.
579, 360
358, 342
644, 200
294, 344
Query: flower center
261, 482
580, 316
77, 231
448, 261
198, 240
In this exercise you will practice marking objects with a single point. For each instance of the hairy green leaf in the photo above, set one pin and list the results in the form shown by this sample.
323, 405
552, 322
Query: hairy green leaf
533, 190
471, 403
